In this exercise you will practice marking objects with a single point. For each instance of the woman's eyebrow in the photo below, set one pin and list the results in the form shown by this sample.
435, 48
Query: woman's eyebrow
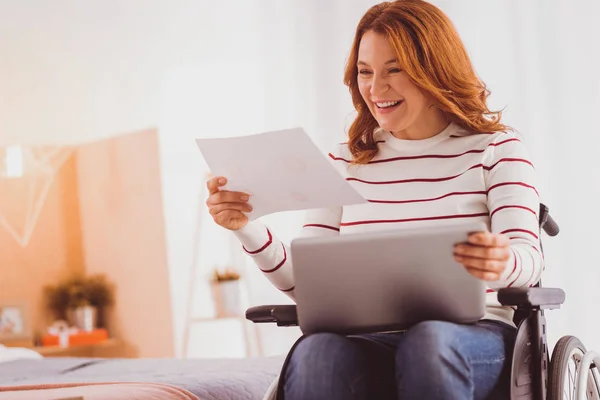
392, 61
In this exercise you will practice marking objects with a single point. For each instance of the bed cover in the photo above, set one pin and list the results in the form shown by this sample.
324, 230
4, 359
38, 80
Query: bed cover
207, 379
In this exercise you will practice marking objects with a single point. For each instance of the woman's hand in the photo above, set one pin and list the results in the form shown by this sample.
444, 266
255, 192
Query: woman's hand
227, 208
485, 255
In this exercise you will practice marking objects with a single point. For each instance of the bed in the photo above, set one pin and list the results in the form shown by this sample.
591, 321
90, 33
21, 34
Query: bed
36, 378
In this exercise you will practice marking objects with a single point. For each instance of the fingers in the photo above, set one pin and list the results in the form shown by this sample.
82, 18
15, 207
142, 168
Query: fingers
225, 196
488, 239
493, 266
484, 275
213, 184
226, 207
486, 253
216, 195
221, 207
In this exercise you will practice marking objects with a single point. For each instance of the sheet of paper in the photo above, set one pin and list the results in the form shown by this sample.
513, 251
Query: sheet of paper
281, 170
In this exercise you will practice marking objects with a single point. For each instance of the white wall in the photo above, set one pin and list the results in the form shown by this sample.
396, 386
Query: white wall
537, 58
72, 71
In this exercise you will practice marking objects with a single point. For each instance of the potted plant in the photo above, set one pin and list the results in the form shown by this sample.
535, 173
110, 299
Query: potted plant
226, 293
81, 300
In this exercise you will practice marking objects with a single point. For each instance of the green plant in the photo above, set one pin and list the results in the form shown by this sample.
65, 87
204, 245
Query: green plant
77, 291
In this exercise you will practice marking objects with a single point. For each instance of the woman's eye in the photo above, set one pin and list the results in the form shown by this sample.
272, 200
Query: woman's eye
364, 72
395, 70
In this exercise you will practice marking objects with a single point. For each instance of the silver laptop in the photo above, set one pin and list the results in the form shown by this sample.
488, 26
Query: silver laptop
384, 281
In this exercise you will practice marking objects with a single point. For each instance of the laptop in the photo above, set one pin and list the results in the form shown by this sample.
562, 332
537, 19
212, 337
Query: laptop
384, 281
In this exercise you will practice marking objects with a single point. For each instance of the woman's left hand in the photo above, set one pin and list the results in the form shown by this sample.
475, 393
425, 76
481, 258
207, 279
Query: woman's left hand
485, 255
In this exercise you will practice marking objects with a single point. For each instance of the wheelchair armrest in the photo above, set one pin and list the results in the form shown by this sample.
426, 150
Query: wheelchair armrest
533, 297
283, 315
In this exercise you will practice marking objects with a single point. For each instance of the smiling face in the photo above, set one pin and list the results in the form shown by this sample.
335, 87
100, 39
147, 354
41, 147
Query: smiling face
396, 103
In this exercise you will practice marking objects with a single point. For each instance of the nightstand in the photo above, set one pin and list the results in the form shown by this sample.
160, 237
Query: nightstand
110, 348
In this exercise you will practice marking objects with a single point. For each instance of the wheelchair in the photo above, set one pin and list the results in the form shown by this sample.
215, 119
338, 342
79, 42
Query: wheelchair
571, 372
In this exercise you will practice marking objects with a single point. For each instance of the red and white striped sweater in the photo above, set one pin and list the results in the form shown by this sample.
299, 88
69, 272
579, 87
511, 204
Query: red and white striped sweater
438, 181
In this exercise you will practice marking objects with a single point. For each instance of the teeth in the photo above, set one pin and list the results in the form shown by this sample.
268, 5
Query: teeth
387, 104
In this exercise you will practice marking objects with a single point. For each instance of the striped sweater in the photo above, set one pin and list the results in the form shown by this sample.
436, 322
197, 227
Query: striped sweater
438, 181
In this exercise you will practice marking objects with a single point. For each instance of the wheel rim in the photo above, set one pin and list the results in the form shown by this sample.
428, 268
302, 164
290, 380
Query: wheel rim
594, 384
570, 378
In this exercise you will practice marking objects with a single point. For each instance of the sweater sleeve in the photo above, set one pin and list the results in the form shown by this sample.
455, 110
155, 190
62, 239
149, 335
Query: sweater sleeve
513, 202
272, 256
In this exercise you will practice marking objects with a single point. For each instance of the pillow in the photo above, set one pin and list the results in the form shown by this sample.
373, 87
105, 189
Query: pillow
18, 353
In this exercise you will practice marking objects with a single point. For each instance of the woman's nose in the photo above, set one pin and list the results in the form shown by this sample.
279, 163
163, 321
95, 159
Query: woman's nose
378, 86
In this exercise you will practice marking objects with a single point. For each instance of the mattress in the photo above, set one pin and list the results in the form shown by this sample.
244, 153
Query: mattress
205, 379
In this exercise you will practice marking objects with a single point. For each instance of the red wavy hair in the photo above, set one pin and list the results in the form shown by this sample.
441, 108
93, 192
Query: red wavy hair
431, 52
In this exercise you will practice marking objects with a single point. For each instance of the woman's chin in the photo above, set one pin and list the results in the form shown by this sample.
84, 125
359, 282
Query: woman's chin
388, 125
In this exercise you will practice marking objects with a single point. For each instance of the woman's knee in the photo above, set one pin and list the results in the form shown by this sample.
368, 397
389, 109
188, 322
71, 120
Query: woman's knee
326, 365
319, 352
428, 342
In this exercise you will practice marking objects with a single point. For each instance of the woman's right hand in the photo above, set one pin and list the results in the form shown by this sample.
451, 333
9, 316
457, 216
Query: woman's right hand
227, 208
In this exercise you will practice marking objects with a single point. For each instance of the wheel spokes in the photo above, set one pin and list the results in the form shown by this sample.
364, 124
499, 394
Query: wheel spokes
571, 377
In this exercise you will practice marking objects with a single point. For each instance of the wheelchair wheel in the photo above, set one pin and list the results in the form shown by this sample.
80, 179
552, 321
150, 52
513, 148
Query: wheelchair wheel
565, 368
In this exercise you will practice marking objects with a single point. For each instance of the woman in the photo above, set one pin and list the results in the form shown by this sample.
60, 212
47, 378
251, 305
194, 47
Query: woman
426, 151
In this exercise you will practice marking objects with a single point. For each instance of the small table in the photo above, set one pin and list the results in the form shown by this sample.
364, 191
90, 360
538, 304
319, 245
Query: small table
105, 349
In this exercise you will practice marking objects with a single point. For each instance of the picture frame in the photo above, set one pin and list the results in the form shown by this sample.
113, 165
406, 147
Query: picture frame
15, 323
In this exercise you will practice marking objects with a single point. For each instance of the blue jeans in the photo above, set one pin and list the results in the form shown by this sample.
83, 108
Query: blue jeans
432, 360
